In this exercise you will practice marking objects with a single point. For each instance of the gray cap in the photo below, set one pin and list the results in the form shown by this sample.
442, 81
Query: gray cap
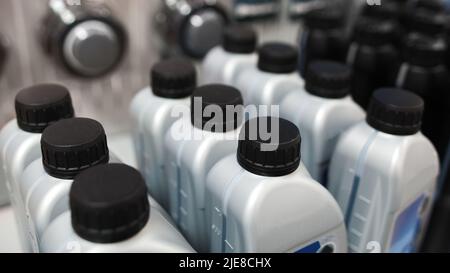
92, 48
203, 31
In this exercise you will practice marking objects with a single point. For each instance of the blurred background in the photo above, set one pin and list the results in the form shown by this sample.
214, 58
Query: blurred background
102, 50
33, 51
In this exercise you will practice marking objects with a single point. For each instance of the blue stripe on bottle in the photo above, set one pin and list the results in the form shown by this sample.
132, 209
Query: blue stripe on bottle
357, 178
178, 190
224, 231
352, 200
224, 212
178, 196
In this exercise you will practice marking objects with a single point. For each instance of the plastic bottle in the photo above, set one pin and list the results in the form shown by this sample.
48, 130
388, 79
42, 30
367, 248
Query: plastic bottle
110, 213
373, 58
274, 77
264, 200
68, 147
323, 38
322, 111
223, 64
172, 83
36, 108
423, 72
383, 175
193, 145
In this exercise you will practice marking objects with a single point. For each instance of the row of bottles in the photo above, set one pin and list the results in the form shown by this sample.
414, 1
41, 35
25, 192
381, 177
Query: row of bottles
325, 135
68, 192
385, 188
206, 160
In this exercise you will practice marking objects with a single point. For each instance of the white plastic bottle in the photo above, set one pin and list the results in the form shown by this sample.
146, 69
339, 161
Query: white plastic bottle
68, 147
193, 145
383, 175
264, 200
274, 76
36, 108
172, 83
223, 64
110, 213
322, 111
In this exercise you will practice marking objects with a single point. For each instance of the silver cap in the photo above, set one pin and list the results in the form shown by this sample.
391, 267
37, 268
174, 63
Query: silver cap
203, 31
92, 48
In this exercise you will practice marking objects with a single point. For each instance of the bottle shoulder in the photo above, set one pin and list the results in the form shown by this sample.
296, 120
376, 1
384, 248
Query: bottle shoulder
22, 143
183, 133
32, 173
159, 116
45, 189
315, 107
221, 175
8, 131
262, 77
408, 156
215, 54
334, 116
382, 143
200, 155
158, 235
36, 181
12, 137
140, 100
289, 202
146, 103
352, 140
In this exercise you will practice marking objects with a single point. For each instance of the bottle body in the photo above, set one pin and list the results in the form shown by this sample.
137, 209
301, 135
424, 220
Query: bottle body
267, 89
187, 164
224, 67
19, 149
384, 184
373, 68
251, 213
44, 197
6, 135
432, 84
316, 44
158, 236
321, 122
152, 118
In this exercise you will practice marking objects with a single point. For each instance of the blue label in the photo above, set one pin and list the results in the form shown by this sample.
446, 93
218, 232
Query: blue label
312, 248
407, 228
